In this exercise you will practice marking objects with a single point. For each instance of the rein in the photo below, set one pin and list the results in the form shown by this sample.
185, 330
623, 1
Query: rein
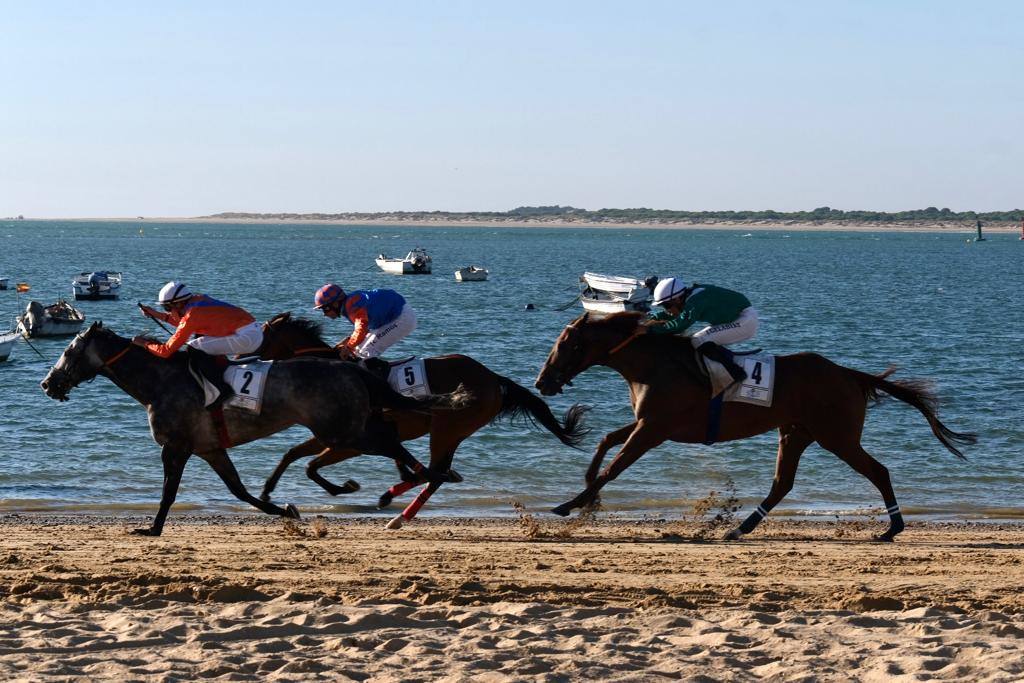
312, 349
618, 347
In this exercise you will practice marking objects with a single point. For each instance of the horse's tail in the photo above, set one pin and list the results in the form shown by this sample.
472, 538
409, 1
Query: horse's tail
918, 393
518, 401
383, 396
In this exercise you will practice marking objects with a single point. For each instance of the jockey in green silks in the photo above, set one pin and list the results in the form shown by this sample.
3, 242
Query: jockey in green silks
729, 315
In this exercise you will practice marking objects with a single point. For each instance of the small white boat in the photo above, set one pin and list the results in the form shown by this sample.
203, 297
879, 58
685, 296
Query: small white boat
96, 286
416, 262
3, 282
614, 294
7, 340
58, 320
471, 274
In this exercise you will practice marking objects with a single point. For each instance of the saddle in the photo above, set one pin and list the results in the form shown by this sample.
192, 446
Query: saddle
382, 368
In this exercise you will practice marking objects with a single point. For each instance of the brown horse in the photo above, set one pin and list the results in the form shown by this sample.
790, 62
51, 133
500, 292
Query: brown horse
814, 400
491, 397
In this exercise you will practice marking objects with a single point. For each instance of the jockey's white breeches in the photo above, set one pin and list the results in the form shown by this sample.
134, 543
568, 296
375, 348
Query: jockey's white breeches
740, 329
245, 340
379, 340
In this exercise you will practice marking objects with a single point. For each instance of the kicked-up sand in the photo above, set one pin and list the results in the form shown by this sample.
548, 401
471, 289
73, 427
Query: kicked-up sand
255, 598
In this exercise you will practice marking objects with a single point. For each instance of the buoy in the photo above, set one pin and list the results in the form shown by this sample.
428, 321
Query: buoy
529, 307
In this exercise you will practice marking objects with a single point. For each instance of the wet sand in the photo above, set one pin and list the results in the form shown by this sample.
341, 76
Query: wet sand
245, 598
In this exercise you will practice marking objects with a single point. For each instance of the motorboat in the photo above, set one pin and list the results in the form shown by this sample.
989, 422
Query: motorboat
96, 286
7, 340
471, 274
614, 294
57, 320
416, 262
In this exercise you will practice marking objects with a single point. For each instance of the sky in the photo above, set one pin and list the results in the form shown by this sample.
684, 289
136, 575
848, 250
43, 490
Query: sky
192, 108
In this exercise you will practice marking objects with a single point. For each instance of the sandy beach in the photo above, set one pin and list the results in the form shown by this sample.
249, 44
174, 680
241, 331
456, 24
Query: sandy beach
746, 226
246, 598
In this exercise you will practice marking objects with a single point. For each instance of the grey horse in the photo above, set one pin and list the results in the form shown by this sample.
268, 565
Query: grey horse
333, 399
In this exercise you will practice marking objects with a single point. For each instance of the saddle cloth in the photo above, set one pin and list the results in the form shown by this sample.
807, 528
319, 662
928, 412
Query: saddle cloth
756, 389
409, 377
248, 381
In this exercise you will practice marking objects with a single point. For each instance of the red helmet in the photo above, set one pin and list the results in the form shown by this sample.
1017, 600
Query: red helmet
327, 295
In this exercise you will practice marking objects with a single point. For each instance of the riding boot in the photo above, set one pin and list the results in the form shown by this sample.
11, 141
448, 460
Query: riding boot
212, 368
722, 355
378, 366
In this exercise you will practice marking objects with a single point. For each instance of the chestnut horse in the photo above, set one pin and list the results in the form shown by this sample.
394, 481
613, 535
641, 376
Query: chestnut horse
491, 397
815, 400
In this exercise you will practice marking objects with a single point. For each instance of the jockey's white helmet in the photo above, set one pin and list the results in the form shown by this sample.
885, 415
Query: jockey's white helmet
668, 289
173, 292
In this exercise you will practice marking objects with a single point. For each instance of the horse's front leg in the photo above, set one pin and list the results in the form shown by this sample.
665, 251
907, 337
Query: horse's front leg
174, 459
225, 469
611, 439
645, 437
310, 447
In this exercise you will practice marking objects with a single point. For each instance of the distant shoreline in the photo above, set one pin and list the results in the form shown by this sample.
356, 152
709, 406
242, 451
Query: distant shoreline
747, 225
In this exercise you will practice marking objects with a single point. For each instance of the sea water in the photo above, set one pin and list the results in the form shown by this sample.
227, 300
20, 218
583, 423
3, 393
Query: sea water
934, 304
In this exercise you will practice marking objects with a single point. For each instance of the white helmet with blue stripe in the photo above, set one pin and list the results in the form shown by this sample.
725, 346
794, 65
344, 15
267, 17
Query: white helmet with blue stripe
668, 289
173, 292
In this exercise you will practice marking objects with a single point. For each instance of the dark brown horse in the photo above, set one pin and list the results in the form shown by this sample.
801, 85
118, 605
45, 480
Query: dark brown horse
491, 397
814, 400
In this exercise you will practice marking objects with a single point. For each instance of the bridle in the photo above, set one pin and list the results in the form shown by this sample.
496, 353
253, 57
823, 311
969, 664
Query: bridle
564, 377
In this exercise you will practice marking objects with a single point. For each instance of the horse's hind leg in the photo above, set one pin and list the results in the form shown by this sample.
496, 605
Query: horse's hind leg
225, 469
854, 455
310, 447
793, 441
332, 456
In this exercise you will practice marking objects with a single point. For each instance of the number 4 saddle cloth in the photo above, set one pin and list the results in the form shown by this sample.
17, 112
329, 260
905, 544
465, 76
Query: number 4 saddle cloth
756, 389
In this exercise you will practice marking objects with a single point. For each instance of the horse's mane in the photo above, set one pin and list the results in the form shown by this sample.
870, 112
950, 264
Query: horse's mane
625, 321
309, 328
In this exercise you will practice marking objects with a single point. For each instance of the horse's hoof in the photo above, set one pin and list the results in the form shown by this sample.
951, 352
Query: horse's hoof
435, 477
885, 538
265, 496
733, 535
350, 486
291, 511
149, 531
385, 500
454, 477
562, 510
395, 523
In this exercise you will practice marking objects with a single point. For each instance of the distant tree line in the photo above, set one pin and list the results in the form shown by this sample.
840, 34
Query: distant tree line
821, 214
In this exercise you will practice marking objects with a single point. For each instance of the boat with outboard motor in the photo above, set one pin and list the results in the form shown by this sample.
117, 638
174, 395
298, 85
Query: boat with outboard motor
99, 285
56, 320
416, 262
471, 274
614, 294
